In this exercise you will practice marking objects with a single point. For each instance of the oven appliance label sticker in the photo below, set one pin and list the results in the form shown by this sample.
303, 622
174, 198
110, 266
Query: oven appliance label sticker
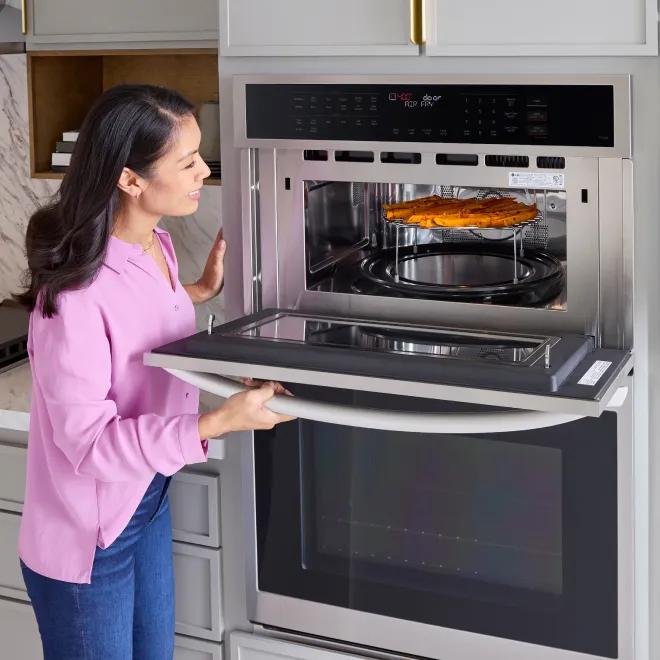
536, 180
595, 372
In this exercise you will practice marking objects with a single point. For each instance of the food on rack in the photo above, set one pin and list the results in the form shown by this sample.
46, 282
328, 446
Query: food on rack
434, 211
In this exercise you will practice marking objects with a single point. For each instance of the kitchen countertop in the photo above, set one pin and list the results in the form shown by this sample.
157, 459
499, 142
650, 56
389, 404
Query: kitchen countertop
15, 390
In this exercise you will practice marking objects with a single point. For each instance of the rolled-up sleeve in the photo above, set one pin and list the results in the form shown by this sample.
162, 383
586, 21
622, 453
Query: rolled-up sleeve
71, 360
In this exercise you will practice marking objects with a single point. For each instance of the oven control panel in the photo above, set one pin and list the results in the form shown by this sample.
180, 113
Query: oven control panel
562, 115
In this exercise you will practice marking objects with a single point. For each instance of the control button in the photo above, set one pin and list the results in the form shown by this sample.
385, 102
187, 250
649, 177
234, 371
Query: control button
537, 115
328, 99
537, 130
328, 107
373, 108
359, 123
396, 131
298, 121
480, 133
373, 98
313, 129
358, 108
298, 107
313, 99
313, 107
328, 123
427, 131
467, 132
343, 99
511, 130
298, 99
313, 122
511, 115
373, 122
510, 101
537, 101
411, 131
343, 107
493, 133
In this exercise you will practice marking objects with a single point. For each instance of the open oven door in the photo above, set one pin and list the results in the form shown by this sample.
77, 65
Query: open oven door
562, 374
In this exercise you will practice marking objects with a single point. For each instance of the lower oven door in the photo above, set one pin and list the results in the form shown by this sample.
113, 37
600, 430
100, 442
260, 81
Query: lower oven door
485, 544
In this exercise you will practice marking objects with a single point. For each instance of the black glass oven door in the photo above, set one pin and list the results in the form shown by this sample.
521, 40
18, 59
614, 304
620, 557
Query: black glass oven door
512, 535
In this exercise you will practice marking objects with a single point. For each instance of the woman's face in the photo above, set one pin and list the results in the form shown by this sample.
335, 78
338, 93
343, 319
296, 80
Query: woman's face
175, 185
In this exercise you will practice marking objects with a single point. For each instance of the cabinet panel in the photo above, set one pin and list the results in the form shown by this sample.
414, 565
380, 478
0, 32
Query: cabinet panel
198, 589
298, 27
255, 647
188, 648
122, 20
567, 27
18, 631
12, 477
194, 502
11, 578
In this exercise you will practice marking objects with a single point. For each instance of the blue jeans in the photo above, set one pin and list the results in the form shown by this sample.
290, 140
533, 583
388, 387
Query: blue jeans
128, 609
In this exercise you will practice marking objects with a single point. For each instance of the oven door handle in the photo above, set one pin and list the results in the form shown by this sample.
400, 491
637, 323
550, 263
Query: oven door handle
504, 421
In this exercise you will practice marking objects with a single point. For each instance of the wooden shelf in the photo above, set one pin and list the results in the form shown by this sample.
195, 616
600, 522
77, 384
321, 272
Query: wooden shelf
62, 85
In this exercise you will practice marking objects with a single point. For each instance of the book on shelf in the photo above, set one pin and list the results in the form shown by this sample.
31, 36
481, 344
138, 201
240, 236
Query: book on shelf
70, 136
60, 159
64, 147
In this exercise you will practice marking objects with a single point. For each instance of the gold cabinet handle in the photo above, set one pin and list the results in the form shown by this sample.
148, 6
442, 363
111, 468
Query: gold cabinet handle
417, 24
24, 16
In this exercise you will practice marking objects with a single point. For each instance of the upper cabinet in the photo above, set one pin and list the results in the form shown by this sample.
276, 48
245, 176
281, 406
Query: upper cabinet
312, 27
560, 27
438, 27
81, 24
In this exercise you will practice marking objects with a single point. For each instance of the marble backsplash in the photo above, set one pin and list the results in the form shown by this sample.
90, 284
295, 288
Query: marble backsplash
20, 196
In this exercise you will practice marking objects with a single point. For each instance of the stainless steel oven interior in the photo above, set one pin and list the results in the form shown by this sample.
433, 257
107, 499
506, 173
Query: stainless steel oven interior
328, 248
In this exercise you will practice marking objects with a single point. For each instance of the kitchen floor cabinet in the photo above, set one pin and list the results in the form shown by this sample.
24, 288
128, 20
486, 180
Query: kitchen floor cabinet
467, 27
255, 647
72, 24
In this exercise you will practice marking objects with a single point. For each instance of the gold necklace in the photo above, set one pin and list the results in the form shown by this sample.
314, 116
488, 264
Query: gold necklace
146, 249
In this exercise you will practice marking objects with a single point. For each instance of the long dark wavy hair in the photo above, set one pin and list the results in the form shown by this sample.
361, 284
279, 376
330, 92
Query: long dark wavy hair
128, 126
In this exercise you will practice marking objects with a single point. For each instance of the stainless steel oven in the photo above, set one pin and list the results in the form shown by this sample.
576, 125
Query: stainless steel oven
459, 482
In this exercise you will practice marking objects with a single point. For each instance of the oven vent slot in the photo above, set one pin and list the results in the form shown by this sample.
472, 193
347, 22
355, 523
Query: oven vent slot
551, 162
401, 157
507, 161
354, 156
315, 154
457, 159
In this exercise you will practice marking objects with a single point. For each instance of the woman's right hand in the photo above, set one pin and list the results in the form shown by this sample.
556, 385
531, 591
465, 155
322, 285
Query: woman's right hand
245, 411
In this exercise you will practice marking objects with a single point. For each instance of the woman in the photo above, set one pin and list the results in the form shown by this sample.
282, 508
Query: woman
106, 432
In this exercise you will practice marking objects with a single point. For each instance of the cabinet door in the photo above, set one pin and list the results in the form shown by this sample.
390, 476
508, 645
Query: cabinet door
96, 21
300, 27
18, 631
257, 647
561, 27
189, 648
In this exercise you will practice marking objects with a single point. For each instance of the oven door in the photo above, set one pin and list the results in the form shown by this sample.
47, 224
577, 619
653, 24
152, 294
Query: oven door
484, 544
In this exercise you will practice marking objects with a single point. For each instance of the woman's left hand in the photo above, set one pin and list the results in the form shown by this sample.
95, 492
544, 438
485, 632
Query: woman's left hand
210, 283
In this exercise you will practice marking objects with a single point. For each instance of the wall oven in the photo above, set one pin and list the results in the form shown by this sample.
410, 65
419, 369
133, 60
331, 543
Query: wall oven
459, 482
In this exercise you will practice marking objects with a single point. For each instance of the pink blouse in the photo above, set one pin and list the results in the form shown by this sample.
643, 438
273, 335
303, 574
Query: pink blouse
101, 422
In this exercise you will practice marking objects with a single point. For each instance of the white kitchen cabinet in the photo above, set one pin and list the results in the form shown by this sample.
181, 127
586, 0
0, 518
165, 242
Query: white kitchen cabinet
13, 458
195, 508
188, 648
560, 27
198, 584
301, 27
256, 647
19, 632
11, 578
79, 24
